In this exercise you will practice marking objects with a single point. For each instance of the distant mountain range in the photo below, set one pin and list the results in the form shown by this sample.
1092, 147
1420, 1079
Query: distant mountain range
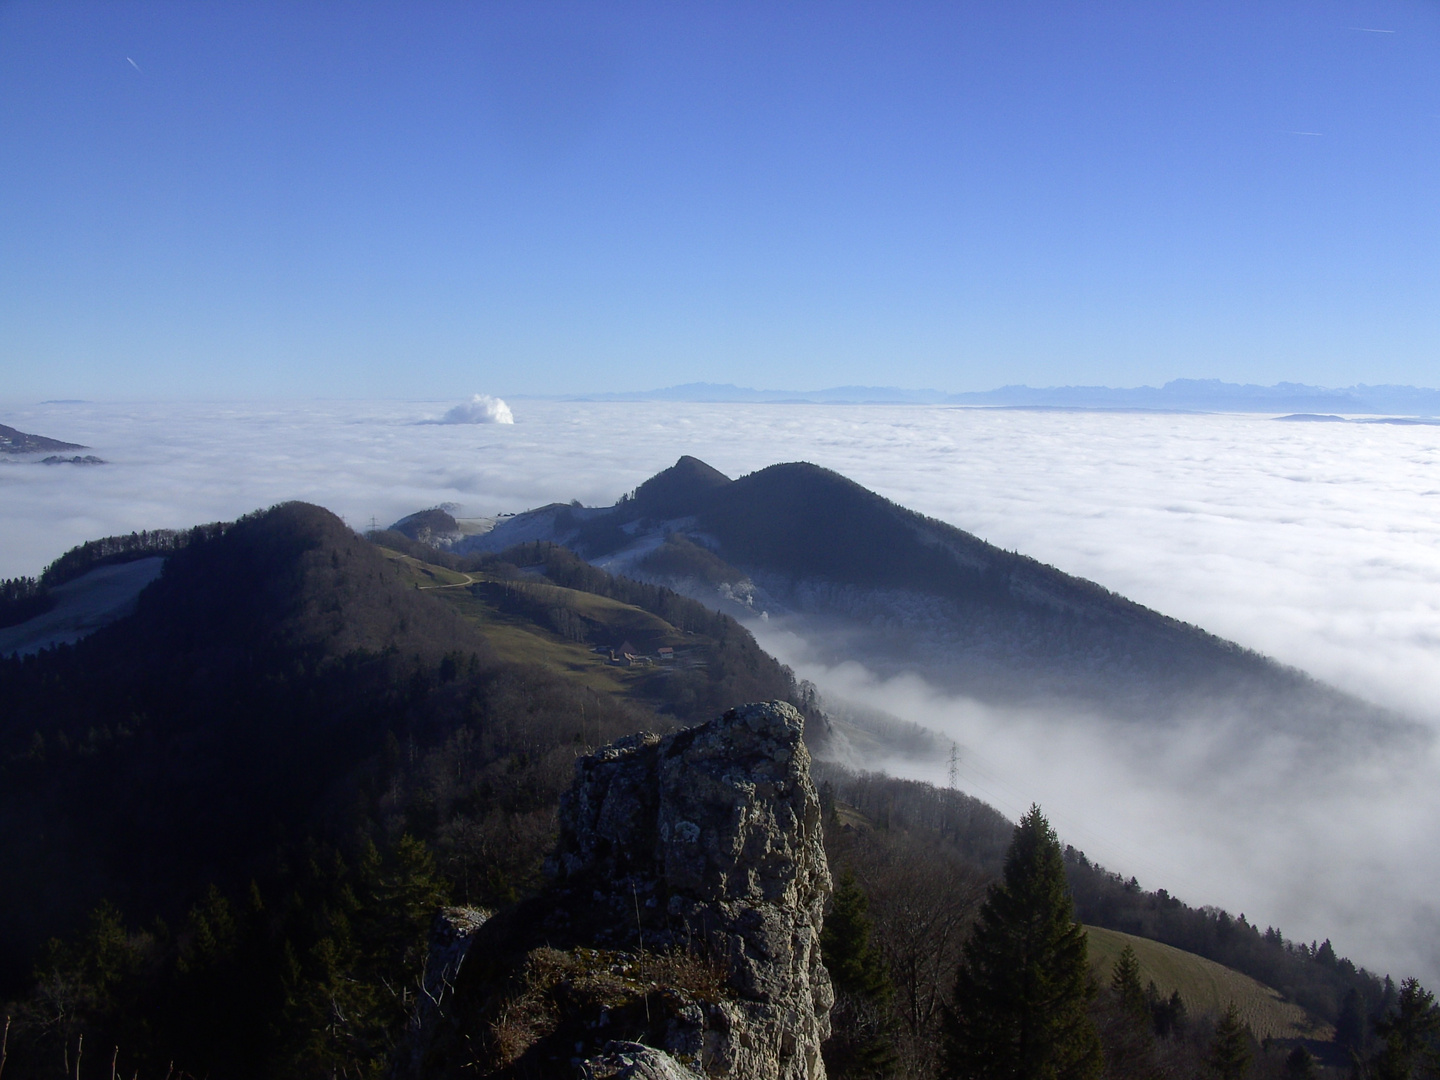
1178, 395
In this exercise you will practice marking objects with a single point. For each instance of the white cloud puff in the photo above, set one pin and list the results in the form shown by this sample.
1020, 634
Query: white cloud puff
480, 409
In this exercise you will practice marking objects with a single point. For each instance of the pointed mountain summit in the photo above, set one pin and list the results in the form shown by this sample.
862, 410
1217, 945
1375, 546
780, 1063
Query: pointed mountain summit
683, 489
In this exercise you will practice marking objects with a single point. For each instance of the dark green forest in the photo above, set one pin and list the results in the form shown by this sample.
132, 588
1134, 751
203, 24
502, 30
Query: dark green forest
227, 820
227, 789
22, 599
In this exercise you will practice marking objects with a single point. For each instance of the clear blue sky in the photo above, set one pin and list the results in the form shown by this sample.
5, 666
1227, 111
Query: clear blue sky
249, 199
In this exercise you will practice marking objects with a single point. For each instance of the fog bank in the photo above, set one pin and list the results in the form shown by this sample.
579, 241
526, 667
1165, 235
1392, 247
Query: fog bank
1339, 845
1318, 544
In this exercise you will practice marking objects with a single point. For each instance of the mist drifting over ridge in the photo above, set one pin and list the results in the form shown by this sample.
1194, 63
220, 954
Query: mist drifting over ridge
1313, 543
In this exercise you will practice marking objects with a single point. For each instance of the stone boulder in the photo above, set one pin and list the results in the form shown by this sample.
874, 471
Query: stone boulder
452, 932
635, 1061
679, 935
711, 837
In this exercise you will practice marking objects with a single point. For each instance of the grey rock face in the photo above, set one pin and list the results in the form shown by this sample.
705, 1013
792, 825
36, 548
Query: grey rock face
712, 836
635, 1061
451, 933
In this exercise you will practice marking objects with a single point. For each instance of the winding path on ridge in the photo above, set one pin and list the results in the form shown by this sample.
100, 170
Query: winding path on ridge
453, 585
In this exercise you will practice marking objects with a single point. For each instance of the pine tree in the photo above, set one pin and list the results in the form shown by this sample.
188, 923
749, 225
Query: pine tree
1022, 994
1350, 1025
1167, 1015
1300, 1065
1230, 1051
851, 959
1124, 1021
1125, 982
861, 1045
1409, 1032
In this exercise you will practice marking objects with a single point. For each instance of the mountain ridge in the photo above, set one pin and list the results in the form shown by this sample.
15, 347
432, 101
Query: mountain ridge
801, 543
20, 442
1177, 395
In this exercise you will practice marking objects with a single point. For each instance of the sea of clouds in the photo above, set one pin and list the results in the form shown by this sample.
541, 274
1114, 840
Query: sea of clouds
1318, 544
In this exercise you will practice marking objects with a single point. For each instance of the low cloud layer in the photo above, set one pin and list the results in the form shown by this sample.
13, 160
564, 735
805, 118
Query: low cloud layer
1331, 844
1318, 544
480, 409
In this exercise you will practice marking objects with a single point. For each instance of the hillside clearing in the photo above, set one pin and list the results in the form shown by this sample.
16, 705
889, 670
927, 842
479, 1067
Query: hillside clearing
1205, 986
490, 603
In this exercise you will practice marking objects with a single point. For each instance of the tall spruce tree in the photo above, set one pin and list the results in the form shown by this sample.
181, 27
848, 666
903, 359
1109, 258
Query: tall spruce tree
1230, 1051
860, 1044
852, 960
1022, 994
1125, 982
1410, 1032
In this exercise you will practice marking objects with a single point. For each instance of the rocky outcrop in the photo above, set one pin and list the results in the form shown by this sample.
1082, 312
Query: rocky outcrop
680, 933
451, 934
719, 826
635, 1061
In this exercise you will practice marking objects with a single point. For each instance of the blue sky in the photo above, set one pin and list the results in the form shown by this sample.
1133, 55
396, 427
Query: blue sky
427, 200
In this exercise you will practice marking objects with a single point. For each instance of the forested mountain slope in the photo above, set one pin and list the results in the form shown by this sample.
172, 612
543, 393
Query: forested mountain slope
859, 577
924, 856
240, 806
255, 690
171, 747
1205, 986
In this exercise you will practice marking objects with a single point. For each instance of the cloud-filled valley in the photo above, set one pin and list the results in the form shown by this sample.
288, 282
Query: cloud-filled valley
1314, 543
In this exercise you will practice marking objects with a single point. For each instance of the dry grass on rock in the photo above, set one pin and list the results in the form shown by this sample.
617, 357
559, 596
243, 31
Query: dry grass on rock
595, 995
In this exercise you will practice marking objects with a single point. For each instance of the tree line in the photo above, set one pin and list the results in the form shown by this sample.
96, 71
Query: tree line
23, 598
1023, 1003
1313, 976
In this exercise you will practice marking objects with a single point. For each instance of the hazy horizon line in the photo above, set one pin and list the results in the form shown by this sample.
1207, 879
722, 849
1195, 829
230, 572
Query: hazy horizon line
1177, 395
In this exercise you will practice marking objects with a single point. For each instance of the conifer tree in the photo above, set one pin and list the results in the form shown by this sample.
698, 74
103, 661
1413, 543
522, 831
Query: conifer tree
1409, 1032
1230, 1051
1125, 982
1168, 1015
861, 1045
1300, 1065
1125, 1023
1350, 1025
851, 959
1023, 989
